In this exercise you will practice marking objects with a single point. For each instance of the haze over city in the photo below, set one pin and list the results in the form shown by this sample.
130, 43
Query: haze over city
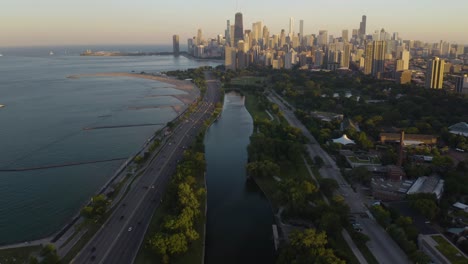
54, 22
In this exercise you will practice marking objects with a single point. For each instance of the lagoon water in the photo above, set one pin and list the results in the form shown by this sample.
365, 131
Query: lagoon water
42, 124
239, 218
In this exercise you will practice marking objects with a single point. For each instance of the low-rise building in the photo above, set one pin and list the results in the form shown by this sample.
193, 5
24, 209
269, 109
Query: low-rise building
410, 139
430, 245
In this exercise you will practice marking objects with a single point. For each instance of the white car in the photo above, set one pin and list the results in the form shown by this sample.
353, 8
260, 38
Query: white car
130, 229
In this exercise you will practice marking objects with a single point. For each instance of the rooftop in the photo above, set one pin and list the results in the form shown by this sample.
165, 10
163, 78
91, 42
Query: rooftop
425, 184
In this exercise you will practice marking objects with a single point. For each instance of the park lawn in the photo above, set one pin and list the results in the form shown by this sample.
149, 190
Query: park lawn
248, 80
449, 251
256, 111
371, 160
18, 255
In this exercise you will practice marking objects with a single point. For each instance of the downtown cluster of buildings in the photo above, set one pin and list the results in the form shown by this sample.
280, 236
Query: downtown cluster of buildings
381, 54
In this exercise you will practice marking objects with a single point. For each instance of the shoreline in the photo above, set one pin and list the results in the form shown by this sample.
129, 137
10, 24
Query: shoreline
192, 93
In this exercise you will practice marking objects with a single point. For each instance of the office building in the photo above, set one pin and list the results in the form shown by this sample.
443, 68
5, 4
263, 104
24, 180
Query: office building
405, 56
362, 26
345, 56
227, 32
344, 35
379, 50
291, 27
301, 32
368, 59
175, 45
238, 28
290, 59
461, 84
230, 59
435, 73
199, 37
403, 77
322, 38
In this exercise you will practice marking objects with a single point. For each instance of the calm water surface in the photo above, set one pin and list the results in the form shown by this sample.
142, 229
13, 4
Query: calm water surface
43, 121
239, 217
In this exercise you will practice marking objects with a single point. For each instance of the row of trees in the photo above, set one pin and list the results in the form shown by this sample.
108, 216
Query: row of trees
96, 209
185, 195
402, 230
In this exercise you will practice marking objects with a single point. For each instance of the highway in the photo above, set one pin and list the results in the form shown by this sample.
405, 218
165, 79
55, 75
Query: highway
381, 244
119, 239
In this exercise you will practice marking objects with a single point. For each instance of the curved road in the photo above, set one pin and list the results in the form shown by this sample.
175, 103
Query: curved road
119, 239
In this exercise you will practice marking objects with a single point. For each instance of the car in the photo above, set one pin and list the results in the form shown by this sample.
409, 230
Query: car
93, 258
93, 249
121, 217
152, 186
130, 229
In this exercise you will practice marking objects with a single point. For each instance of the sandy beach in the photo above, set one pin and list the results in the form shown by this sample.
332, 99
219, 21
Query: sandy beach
191, 90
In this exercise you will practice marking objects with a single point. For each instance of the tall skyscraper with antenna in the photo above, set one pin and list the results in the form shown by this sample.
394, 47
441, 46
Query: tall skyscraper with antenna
362, 26
238, 28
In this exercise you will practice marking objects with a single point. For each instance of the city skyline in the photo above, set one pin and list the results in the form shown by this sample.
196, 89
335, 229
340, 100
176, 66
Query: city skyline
52, 22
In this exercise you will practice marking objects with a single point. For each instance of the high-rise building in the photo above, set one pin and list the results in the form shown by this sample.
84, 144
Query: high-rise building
290, 59
362, 26
344, 35
318, 58
230, 59
368, 58
175, 45
227, 32
301, 31
238, 28
405, 56
291, 27
379, 50
435, 73
199, 37
322, 38
345, 56
462, 84
282, 39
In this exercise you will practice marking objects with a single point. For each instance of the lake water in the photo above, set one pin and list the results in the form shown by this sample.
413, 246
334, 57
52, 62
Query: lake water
239, 218
43, 121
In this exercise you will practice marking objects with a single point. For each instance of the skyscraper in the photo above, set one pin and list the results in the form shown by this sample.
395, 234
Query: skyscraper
238, 29
291, 27
227, 32
368, 58
435, 73
175, 45
301, 31
462, 84
405, 56
322, 38
344, 35
379, 50
199, 37
362, 26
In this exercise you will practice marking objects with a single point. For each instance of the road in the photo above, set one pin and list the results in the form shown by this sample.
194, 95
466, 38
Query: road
381, 244
119, 239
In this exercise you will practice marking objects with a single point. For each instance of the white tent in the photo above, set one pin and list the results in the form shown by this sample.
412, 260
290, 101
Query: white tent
344, 140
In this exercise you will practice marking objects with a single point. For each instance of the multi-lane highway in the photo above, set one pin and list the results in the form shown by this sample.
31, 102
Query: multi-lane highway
382, 246
120, 237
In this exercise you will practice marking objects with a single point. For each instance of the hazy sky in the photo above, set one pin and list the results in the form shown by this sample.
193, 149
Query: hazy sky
57, 22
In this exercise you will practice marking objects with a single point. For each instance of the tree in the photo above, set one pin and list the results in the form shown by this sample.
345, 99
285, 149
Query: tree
426, 207
308, 246
318, 161
328, 186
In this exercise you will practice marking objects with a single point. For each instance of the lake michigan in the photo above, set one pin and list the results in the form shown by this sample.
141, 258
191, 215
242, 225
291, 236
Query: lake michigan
42, 124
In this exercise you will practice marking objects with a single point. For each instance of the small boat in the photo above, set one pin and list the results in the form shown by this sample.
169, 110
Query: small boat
1, 55
1, 106
51, 53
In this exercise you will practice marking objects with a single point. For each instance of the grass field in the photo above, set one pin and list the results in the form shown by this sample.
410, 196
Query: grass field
449, 251
248, 81
17, 255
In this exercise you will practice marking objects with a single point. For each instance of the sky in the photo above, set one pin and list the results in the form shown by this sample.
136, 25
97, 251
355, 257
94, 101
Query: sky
91, 22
